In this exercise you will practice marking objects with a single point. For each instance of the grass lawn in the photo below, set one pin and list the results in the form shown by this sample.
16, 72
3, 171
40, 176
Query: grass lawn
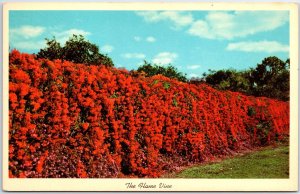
266, 163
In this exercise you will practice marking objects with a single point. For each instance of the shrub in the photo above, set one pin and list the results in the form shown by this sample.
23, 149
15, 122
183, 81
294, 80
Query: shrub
73, 120
169, 71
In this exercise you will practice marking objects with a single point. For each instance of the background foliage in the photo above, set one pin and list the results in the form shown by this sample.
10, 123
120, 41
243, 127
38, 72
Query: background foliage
270, 78
169, 71
76, 50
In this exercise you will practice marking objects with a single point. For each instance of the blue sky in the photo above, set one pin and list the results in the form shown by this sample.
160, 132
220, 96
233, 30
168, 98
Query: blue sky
193, 41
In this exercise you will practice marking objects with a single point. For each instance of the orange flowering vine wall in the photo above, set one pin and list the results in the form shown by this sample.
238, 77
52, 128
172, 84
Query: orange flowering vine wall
73, 120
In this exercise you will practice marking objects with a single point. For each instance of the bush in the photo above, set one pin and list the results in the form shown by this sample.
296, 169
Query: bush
69, 120
168, 71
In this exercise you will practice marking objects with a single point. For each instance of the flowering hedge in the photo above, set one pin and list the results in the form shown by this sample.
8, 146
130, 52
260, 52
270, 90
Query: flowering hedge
72, 120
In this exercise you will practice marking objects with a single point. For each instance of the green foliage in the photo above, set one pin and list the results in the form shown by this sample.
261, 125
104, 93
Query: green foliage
229, 80
251, 111
52, 51
175, 103
155, 82
263, 128
168, 71
76, 50
270, 79
166, 85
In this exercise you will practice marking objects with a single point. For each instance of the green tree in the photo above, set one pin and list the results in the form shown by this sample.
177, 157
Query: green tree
52, 51
76, 49
228, 80
168, 71
270, 78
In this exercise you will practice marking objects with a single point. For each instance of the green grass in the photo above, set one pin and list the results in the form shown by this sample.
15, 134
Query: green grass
267, 163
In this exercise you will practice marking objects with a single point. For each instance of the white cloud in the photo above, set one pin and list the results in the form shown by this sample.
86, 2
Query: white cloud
193, 75
259, 46
27, 31
229, 25
137, 38
63, 36
150, 39
106, 48
134, 55
27, 37
164, 58
179, 19
193, 66
32, 37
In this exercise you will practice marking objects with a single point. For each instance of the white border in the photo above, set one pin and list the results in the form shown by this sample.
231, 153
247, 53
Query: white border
290, 184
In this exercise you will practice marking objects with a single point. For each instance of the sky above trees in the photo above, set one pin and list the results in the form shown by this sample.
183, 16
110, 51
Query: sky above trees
193, 41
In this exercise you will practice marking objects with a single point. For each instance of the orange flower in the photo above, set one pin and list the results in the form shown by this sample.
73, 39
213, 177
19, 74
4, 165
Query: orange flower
142, 124
85, 126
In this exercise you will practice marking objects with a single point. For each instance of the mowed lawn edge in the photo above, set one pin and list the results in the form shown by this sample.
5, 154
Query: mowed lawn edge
268, 162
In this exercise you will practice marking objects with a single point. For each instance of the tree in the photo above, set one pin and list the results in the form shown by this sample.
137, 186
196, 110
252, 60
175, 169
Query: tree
76, 49
271, 78
228, 80
52, 51
168, 71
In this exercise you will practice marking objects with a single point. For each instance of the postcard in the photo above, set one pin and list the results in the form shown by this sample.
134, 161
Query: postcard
150, 96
